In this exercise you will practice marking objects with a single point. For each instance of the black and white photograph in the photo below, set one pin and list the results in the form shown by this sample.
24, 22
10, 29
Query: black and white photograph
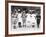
25, 18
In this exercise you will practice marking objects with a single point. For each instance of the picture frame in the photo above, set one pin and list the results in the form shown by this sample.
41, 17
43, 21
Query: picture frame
11, 6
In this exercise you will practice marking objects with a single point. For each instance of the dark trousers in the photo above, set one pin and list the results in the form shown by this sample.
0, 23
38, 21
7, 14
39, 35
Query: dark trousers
38, 22
19, 23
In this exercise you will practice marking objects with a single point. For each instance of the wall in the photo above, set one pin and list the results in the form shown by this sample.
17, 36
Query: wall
2, 19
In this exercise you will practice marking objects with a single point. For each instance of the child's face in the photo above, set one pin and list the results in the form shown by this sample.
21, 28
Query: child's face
24, 12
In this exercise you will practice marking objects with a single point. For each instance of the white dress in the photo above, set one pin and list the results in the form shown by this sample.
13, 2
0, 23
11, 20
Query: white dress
19, 18
28, 19
33, 19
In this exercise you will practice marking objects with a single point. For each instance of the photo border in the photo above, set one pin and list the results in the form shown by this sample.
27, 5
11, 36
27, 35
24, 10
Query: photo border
6, 18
